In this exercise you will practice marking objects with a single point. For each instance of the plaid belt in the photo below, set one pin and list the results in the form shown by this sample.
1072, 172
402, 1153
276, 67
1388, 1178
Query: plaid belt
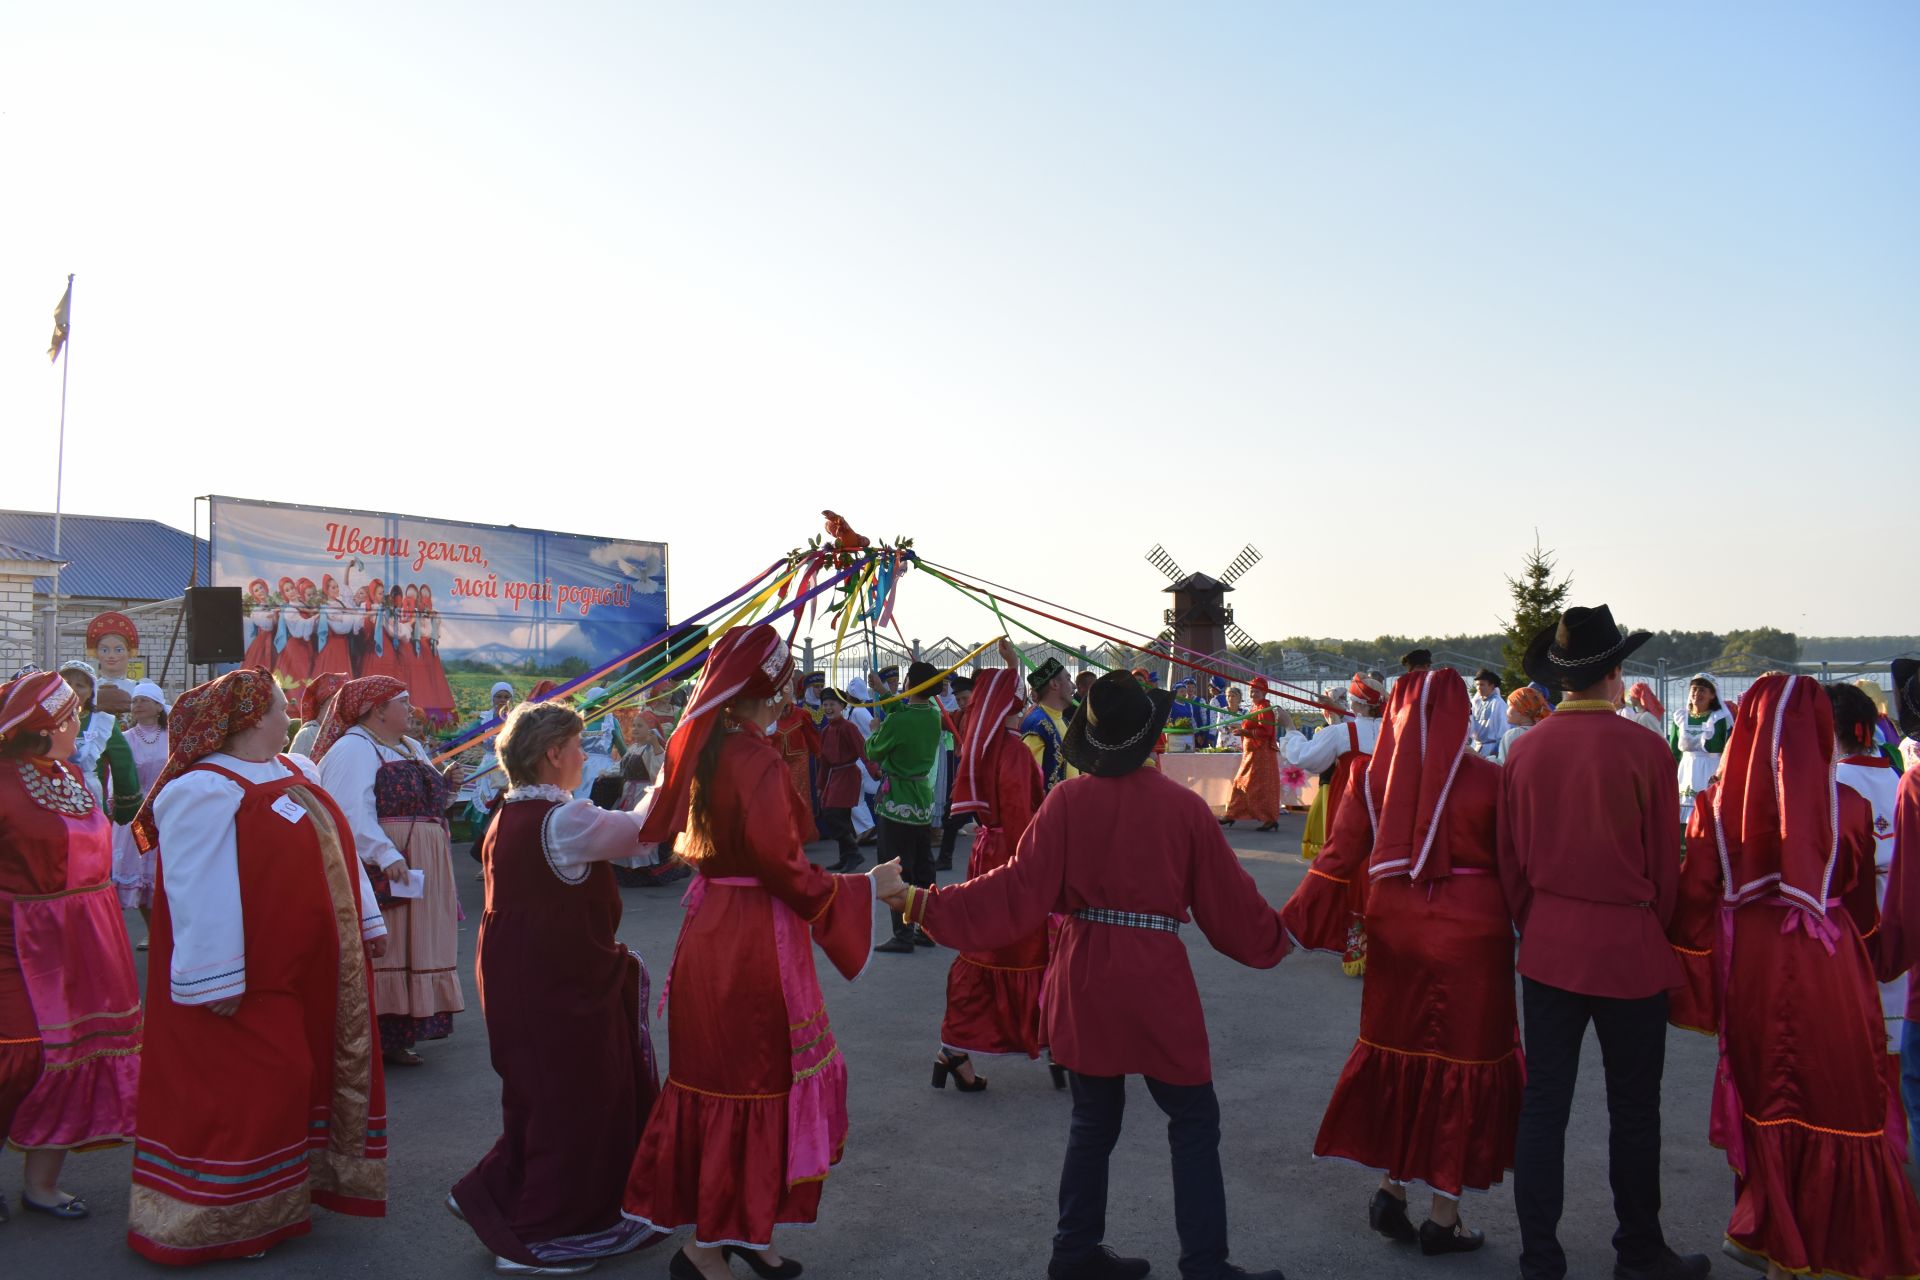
1128, 919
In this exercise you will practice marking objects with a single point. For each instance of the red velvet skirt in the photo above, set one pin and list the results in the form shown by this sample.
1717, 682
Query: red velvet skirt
1821, 1188
1431, 1092
993, 997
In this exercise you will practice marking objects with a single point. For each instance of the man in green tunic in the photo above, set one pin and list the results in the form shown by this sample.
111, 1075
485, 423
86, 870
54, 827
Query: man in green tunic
905, 747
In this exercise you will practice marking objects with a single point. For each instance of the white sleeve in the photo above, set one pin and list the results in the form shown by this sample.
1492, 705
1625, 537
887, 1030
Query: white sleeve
201, 876
580, 832
298, 627
342, 621
347, 774
1315, 754
373, 924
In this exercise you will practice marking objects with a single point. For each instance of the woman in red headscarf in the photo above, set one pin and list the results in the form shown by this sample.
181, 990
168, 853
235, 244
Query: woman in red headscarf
69, 1024
1256, 788
993, 997
380, 644
754, 1113
395, 802
261, 1094
293, 633
333, 626
1770, 933
799, 741
1644, 708
1431, 1091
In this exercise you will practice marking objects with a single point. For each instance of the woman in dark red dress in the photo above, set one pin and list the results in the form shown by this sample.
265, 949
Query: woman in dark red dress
432, 695
1431, 1091
1770, 933
566, 1011
380, 643
993, 996
754, 1113
262, 620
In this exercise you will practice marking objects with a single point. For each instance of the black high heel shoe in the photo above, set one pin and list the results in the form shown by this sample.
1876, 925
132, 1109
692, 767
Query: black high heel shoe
1268, 826
1435, 1239
1226, 822
787, 1269
1059, 1074
1387, 1214
949, 1065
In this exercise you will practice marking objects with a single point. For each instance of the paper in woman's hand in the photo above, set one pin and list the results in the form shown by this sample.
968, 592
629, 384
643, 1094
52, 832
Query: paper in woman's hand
414, 886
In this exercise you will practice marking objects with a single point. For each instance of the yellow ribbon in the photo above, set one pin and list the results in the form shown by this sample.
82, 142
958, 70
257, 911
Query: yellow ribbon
924, 685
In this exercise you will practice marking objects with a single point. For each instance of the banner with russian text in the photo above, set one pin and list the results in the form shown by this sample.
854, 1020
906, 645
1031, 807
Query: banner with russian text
448, 605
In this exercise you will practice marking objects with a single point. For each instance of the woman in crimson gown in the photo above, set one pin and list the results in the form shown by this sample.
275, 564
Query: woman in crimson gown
1256, 787
1431, 1091
262, 618
1770, 932
380, 645
432, 695
993, 996
330, 631
753, 1114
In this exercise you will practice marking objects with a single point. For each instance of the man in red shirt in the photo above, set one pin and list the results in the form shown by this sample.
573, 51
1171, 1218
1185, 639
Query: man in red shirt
1590, 861
1128, 856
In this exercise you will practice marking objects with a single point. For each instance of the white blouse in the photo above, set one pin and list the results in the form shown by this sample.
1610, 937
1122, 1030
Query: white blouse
578, 833
201, 875
347, 773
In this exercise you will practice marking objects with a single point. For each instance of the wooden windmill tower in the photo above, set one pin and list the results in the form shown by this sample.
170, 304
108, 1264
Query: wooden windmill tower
1201, 620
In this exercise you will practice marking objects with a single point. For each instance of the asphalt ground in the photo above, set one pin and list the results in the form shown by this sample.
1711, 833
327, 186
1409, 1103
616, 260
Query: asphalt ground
938, 1184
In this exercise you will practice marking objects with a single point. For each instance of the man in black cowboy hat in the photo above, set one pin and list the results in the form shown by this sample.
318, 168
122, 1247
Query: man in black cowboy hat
1589, 857
1129, 856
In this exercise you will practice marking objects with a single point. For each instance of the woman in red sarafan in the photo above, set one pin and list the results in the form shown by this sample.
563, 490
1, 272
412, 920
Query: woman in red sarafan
261, 1094
754, 1111
799, 741
261, 620
1256, 788
432, 695
993, 996
1769, 929
1431, 1091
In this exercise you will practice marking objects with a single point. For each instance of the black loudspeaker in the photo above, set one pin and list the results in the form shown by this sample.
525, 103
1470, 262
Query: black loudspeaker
213, 625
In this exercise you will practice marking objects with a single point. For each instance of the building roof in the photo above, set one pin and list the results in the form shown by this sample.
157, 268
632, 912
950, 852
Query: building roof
25, 555
1198, 582
110, 557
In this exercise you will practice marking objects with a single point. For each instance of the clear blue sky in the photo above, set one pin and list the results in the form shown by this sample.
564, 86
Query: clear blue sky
1381, 289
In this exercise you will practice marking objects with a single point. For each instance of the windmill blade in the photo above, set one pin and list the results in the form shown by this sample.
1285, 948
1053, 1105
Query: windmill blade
1160, 560
1239, 639
1249, 556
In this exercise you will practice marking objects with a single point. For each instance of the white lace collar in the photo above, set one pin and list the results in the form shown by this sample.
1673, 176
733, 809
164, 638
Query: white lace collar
540, 791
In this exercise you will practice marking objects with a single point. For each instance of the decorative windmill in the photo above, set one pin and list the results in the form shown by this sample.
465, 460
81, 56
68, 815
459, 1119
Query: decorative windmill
1201, 620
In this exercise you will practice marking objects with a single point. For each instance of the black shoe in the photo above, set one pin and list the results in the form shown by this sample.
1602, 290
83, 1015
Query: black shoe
1059, 1074
1268, 826
1388, 1215
1102, 1264
680, 1267
920, 938
944, 864
949, 1064
1668, 1266
897, 945
1226, 822
72, 1210
1435, 1238
787, 1269
872, 837
847, 865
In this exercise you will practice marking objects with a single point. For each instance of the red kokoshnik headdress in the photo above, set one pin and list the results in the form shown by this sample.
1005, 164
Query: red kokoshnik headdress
996, 693
746, 662
1776, 812
1422, 742
202, 720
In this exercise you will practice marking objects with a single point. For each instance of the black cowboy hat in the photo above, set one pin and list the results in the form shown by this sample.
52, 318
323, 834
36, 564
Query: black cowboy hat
1117, 727
1487, 674
1574, 652
1906, 695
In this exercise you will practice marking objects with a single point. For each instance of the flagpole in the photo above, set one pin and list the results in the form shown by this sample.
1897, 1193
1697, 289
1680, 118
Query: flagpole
59, 478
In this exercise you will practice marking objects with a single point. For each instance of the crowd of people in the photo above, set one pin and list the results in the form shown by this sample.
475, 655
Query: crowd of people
1734, 871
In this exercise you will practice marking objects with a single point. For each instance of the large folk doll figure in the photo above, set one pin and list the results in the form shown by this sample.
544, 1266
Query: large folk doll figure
113, 645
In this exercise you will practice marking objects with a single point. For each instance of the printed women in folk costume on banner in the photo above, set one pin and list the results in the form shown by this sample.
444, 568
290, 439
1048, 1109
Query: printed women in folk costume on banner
566, 1010
101, 753
1334, 753
293, 634
258, 624
395, 802
262, 1093
799, 742
753, 1115
69, 1031
380, 634
334, 626
993, 994
1770, 934
1256, 787
431, 694
1431, 1091
1697, 736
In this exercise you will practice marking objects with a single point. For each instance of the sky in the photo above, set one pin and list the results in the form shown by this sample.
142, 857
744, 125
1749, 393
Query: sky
1385, 290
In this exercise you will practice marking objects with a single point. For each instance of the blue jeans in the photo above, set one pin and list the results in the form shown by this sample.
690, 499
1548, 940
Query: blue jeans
1199, 1192
1910, 1084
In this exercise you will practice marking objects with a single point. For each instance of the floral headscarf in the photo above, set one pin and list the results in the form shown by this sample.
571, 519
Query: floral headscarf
203, 718
355, 701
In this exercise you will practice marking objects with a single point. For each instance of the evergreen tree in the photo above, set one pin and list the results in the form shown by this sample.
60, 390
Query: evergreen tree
1537, 600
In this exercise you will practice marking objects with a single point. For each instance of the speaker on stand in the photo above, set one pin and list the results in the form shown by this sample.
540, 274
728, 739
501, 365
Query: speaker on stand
213, 625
